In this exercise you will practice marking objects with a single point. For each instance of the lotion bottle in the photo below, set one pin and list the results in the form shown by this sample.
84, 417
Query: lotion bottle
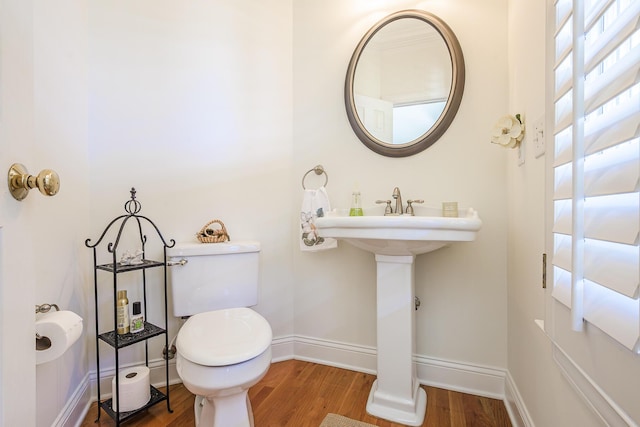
122, 313
137, 319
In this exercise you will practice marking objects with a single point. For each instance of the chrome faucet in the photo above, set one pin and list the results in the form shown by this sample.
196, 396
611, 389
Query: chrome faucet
396, 195
399, 209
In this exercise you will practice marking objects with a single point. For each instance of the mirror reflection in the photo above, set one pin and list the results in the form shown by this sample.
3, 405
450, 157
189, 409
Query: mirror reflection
402, 81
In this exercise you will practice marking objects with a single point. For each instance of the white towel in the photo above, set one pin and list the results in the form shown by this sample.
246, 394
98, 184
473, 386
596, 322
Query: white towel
314, 204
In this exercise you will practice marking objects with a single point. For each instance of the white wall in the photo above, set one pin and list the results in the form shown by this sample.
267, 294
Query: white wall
61, 130
463, 287
191, 104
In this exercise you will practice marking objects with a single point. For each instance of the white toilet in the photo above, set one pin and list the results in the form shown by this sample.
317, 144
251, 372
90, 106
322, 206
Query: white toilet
224, 347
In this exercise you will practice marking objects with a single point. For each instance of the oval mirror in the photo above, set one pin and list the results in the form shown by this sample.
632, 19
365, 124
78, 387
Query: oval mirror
404, 83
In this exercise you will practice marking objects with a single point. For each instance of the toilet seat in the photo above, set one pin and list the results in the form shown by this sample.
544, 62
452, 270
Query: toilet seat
224, 337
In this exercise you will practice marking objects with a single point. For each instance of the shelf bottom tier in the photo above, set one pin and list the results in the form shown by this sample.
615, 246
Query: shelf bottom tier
156, 397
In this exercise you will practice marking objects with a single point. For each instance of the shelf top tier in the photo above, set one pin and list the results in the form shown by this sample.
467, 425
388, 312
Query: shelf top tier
120, 267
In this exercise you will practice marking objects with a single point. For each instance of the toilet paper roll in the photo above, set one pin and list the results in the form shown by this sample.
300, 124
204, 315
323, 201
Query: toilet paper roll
58, 331
134, 389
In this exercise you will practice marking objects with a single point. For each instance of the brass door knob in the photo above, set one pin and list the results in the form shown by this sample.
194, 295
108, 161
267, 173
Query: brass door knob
20, 182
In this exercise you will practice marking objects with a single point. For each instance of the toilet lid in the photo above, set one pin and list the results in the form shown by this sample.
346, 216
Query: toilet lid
224, 337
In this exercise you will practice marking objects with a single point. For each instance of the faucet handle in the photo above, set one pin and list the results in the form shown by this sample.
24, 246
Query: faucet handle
409, 210
387, 209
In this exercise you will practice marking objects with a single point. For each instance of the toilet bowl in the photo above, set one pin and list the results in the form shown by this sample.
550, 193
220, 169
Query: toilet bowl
220, 355
224, 347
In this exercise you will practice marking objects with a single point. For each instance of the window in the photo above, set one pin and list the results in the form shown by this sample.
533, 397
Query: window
411, 120
596, 163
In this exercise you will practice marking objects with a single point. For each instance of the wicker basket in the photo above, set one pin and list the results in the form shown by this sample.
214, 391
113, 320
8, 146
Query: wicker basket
210, 235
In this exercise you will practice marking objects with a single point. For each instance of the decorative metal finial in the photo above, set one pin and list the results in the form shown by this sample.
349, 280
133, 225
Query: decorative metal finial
132, 206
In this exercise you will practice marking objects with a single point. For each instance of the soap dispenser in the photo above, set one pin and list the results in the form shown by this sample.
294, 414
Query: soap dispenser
356, 205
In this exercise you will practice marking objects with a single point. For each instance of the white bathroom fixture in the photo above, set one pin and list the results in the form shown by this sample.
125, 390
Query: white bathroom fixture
395, 241
400, 234
224, 347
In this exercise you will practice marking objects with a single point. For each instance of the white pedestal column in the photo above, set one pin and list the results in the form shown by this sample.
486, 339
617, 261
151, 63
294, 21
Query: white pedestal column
396, 394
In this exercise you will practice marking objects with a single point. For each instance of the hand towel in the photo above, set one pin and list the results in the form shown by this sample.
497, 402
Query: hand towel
314, 204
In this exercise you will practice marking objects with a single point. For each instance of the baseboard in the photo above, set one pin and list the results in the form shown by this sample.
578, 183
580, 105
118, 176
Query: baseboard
516, 408
451, 375
334, 353
282, 348
463, 377
76, 407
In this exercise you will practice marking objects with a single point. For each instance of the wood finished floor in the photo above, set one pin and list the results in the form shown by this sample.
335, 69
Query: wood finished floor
301, 394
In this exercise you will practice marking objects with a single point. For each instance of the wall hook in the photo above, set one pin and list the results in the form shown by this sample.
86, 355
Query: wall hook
20, 182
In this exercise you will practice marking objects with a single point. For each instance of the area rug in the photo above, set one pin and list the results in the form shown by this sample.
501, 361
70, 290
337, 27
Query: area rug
334, 420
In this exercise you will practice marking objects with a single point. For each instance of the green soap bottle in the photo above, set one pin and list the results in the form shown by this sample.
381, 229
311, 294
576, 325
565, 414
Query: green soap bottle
356, 205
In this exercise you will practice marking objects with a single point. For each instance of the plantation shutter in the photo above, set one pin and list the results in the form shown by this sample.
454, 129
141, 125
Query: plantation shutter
596, 163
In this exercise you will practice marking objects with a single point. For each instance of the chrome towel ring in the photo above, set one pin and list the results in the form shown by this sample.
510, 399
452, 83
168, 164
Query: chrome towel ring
319, 170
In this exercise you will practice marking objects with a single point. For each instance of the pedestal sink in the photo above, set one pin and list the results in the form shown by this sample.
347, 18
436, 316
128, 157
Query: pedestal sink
396, 240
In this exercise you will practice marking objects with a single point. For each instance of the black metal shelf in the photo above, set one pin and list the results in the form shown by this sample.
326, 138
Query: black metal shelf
121, 268
156, 397
119, 341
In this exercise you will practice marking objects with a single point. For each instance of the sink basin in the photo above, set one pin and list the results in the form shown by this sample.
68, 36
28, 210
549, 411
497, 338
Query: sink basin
400, 235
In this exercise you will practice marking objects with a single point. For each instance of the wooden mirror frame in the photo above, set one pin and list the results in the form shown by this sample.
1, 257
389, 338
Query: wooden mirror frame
453, 101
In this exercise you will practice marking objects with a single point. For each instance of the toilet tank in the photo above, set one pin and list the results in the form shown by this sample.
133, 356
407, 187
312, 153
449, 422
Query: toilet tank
215, 276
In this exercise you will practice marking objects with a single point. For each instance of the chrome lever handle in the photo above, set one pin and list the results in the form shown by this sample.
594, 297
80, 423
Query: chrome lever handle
387, 209
181, 262
410, 208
